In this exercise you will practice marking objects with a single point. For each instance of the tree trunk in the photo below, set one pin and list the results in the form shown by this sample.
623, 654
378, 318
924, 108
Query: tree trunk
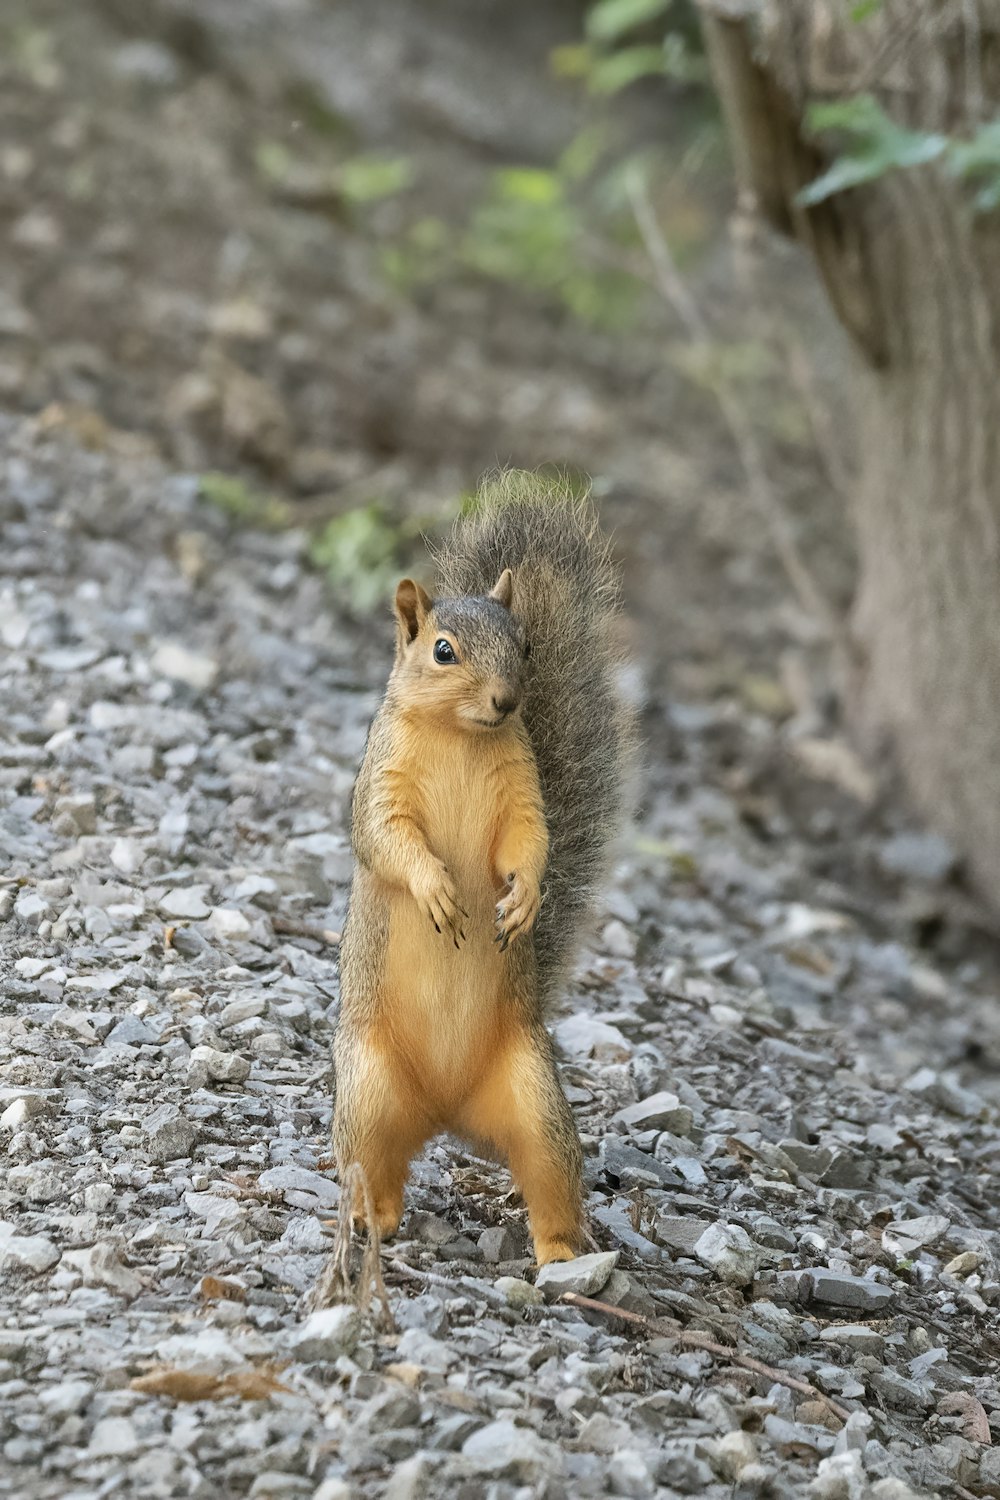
914, 275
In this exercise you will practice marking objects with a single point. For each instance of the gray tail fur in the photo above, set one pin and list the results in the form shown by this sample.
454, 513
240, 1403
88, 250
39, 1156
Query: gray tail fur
567, 593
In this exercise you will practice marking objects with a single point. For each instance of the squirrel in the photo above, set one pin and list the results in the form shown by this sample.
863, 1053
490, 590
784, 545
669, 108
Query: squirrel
483, 814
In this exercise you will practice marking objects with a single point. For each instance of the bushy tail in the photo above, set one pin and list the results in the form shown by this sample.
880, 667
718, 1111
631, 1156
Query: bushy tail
566, 590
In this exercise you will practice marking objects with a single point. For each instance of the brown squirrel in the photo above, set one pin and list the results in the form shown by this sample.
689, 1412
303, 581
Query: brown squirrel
490, 790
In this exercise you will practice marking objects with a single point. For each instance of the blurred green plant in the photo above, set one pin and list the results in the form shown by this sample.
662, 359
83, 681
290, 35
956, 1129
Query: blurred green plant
229, 493
358, 180
533, 229
610, 57
362, 552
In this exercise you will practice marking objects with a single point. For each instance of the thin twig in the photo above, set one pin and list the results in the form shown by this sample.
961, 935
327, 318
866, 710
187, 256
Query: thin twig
673, 290
448, 1283
294, 928
668, 1328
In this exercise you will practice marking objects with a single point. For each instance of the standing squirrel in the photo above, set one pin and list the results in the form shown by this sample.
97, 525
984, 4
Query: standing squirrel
482, 816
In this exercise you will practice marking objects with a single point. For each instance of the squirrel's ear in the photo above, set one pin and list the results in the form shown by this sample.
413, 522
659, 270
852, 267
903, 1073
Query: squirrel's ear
503, 590
412, 604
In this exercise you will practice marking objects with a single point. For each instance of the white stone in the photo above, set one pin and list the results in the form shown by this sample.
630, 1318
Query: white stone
585, 1275
186, 901
171, 659
325, 1335
228, 924
728, 1251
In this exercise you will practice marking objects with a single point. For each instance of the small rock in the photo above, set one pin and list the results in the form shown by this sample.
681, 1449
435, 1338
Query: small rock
206, 1064
169, 1134
855, 1337
946, 1093
113, 1437
131, 1031
175, 661
333, 1489
733, 1452
663, 1111
961, 1265
101, 1265
583, 1036
907, 1237
500, 1243
409, 1480
325, 1336
519, 1293
585, 1275
841, 1476
501, 1448
680, 1232
628, 1474
275, 1484
186, 901
228, 924
837, 1290
25, 1252
728, 1251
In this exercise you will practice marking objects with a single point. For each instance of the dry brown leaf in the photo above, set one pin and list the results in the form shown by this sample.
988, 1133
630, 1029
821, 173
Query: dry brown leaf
206, 1385
975, 1422
214, 1289
410, 1375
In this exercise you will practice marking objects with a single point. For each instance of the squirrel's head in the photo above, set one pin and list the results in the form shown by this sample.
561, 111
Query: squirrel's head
460, 659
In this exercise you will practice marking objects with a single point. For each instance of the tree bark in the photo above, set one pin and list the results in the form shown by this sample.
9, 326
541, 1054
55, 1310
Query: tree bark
914, 275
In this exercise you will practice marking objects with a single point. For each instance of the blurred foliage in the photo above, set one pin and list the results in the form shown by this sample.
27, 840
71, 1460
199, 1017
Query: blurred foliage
362, 552
611, 56
549, 230
875, 144
566, 232
355, 180
233, 495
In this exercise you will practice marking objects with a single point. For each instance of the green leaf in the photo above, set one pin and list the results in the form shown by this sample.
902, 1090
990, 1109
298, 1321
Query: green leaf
864, 10
878, 145
366, 179
528, 185
229, 493
619, 69
571, 61
979, 155
610, 19
359, 552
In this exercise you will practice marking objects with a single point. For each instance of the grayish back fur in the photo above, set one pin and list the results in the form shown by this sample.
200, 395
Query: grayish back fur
566, 592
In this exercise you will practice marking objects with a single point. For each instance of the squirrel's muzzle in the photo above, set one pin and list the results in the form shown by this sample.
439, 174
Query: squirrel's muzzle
505, 700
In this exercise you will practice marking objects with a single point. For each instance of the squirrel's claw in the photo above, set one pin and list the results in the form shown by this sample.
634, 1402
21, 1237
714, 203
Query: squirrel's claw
517, 911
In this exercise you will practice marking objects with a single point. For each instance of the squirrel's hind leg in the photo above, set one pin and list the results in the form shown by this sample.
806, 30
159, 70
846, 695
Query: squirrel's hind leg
519, 1107
377, 1122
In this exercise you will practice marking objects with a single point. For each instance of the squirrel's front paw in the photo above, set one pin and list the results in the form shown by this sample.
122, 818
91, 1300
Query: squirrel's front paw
438, 900
517, 910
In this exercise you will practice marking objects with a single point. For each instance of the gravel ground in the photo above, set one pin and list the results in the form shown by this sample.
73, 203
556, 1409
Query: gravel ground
777, 1162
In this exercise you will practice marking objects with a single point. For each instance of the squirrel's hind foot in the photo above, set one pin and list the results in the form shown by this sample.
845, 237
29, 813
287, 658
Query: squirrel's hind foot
547, 1251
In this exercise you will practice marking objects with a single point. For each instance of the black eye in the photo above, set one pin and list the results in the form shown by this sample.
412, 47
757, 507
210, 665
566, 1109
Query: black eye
527, 650
444, 652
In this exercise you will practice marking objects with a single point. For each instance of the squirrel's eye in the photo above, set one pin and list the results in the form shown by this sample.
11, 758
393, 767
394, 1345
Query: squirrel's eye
527, 650
444, 652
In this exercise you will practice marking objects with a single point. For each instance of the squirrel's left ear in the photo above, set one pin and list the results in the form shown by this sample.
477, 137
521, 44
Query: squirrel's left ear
503, 590
412, 605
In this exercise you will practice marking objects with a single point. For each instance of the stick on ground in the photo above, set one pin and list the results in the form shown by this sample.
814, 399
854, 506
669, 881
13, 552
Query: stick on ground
667, 1328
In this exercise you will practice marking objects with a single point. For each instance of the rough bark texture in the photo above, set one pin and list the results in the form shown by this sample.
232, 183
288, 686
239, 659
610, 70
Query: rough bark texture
914, 276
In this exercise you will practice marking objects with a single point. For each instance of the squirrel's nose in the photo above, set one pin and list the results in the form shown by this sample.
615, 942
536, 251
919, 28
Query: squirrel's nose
506, 701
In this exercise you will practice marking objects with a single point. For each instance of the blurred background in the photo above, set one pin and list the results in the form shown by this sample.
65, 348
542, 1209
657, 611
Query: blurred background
337, 258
